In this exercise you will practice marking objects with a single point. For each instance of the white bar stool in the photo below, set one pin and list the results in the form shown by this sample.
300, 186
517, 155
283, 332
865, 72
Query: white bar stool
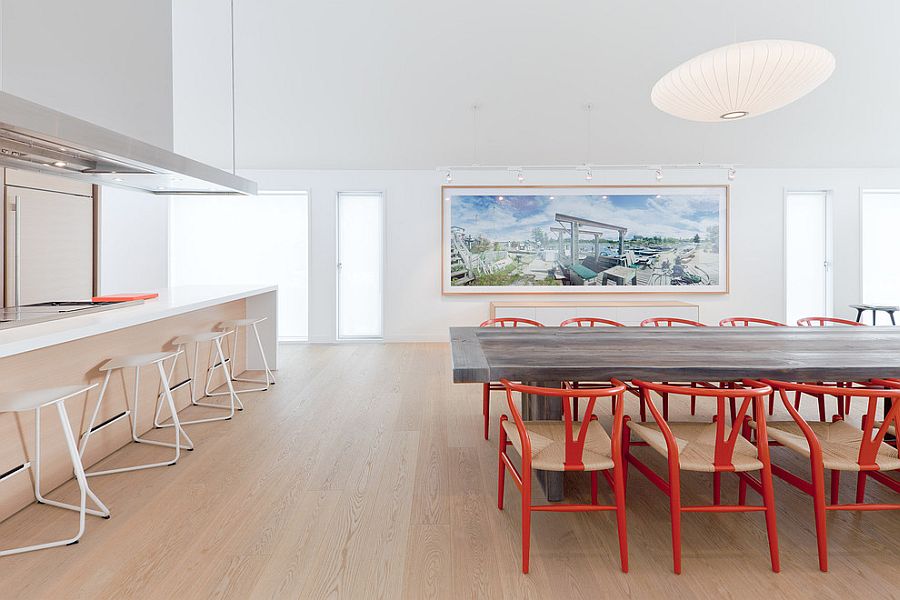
214, 338
136, 361
23, 401
246, 325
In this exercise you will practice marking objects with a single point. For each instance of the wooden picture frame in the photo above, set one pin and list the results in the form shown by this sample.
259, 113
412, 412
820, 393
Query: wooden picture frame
624, 239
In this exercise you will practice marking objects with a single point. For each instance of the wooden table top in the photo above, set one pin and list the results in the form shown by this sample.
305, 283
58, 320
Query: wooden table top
674, 353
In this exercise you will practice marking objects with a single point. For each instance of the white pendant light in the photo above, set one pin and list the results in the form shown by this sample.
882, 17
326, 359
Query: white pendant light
742, 80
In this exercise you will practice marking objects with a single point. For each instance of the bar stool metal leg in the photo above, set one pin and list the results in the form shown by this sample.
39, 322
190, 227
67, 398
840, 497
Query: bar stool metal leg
80, 478
246, 324
234, 400
133, 417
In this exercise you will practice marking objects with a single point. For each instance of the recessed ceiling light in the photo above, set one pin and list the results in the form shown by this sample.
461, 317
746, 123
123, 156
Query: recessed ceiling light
118, 179
60, 164
735, 114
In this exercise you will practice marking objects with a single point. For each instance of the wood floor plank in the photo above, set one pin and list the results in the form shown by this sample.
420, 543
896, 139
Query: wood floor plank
363, 473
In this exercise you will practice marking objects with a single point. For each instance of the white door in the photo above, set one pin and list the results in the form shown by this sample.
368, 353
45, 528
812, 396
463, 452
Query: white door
360, 225
807, 259
879, 215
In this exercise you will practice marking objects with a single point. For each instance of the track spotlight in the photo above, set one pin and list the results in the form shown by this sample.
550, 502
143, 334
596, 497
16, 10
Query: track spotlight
731, 174
520, 177
589, 175
449, 177
659, 174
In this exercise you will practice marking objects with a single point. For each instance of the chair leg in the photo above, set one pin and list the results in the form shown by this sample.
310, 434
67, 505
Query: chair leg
501, 467
771, 525
717, 488
594, 487
626, 451
821, 408
861, 487
818, 484
835, 486
619, 492
486, 408
772, 404
675, 510
665, 399
526, 518
643, 405
575, 408
693, 405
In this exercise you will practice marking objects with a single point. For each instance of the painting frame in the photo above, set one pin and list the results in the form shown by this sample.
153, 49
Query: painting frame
724, 276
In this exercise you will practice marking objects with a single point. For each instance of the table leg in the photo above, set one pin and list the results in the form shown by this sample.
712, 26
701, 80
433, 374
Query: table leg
859, 313
874, 316
542, 408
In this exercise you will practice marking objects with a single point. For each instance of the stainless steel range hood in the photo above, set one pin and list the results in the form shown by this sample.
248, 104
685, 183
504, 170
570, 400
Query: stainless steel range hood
37, 138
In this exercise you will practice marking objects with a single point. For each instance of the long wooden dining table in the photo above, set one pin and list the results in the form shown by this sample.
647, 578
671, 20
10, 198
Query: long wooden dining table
549, 356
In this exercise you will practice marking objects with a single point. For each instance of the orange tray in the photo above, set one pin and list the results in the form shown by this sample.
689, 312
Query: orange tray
124, 297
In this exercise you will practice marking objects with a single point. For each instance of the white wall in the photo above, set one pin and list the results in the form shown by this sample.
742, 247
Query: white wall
105, 61
201, 72
416, 310
134, 241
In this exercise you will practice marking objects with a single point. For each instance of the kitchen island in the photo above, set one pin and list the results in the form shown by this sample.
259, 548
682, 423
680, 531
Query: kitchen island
69, 351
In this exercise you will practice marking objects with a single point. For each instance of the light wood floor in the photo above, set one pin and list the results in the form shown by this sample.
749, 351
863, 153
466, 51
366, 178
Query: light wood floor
363, 474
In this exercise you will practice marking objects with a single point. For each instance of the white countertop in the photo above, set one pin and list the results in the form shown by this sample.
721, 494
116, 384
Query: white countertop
171, 302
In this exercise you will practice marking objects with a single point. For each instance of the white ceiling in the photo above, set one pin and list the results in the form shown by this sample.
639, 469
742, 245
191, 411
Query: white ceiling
391, 84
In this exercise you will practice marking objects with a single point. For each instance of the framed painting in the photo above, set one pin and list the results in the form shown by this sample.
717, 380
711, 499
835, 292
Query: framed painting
585, 239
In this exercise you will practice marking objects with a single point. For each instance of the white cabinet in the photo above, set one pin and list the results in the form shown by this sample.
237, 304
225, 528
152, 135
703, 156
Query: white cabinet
552, 314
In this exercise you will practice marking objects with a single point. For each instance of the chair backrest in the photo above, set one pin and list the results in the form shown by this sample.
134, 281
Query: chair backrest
823, 321
872, 436
669, 322
589, 322
748, 321
726, 435
574, 440
510, 322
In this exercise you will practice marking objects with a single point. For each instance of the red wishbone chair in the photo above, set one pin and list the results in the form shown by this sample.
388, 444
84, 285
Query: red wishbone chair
567, 445
825, 321
747, 322
669, 322
495, 387
588, 322
838, 446
843, 405
710, 448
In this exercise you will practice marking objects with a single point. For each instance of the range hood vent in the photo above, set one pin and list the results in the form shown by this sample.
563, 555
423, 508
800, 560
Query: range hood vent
36, 138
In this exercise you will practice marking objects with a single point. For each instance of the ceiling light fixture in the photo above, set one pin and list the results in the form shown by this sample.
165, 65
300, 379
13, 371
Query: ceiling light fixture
449, 177
60, 164
659, 174
732, 174
589, 175
520, 177
742, 80
118, 179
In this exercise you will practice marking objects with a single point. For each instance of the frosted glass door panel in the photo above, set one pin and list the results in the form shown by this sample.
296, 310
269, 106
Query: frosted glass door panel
807, 255
880, 275
360, 237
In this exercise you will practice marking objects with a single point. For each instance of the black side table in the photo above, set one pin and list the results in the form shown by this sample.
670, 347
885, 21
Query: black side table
861, 308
